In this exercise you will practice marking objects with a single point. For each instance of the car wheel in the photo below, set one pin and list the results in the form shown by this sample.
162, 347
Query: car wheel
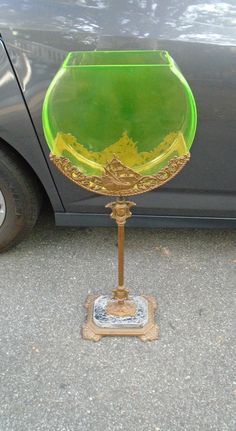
20, 199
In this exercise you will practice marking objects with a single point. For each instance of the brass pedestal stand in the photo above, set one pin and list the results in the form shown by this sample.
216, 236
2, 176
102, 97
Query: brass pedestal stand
122, 314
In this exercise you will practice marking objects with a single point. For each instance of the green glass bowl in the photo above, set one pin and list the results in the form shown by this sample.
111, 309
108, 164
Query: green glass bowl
135, 105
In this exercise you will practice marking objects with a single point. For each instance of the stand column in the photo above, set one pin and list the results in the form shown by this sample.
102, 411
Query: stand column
121, 241
120, 305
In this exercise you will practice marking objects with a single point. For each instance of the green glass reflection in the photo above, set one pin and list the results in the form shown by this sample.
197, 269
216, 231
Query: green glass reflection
134, 104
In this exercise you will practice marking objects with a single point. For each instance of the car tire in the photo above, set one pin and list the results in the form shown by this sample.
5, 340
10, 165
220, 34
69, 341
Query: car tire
20, 199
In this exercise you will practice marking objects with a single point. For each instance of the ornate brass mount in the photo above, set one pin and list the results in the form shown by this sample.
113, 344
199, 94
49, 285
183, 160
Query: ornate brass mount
118, 179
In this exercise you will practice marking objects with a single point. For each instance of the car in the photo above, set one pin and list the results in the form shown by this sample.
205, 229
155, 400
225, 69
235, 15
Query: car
35, 38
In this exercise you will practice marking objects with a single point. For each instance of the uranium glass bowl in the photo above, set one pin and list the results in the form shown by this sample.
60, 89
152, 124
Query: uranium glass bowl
135, 105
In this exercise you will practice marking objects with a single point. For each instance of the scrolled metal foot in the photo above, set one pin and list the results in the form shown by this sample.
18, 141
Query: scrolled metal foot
89, 334
152, 334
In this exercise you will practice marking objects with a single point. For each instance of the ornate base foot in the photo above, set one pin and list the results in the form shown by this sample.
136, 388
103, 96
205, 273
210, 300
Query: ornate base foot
89, 334
151, 334
100, 324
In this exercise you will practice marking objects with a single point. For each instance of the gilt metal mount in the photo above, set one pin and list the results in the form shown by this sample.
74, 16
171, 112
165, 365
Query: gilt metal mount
117, 178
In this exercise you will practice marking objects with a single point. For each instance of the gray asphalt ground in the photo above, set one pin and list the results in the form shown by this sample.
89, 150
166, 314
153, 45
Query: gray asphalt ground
51, 379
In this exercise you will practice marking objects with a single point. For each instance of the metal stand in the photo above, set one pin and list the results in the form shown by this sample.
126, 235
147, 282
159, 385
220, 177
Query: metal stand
121, 314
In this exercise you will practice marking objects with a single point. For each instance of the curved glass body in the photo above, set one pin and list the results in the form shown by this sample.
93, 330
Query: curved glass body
135, 105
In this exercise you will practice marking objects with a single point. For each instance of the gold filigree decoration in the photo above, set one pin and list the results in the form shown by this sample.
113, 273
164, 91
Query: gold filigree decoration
125, 149
118, 179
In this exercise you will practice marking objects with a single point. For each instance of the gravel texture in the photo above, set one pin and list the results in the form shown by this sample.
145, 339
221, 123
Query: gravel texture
51, 379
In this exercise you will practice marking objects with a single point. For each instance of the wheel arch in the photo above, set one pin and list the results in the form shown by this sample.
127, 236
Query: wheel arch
12, 152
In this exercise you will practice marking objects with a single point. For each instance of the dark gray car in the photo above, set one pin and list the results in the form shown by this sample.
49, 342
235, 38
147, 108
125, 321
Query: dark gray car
35, 38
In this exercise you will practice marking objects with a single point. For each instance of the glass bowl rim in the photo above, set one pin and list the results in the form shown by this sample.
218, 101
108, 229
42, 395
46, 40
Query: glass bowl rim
66, 64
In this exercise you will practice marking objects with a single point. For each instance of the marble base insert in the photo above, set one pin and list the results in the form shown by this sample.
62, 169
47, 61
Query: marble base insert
104, 320
100, 324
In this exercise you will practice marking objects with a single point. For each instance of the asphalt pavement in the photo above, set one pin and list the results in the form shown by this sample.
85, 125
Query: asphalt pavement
52, 379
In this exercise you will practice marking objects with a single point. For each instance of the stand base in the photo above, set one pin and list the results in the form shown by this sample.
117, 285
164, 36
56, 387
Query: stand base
100, 324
